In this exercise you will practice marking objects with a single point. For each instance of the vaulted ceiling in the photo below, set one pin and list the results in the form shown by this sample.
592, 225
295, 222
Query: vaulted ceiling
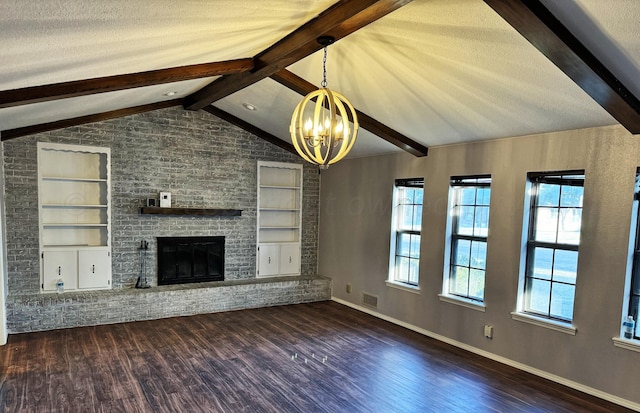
421, 73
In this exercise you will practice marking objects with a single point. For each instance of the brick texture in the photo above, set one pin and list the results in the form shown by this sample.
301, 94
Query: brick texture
202, 160
37, 312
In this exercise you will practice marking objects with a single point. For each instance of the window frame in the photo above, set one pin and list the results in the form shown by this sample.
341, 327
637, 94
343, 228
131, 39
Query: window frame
632, 304
457, 183
535, 179
397, 231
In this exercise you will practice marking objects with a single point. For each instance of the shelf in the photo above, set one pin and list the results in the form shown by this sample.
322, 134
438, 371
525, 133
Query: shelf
72, 206
55, 225
279, 187
63, 246
280, 227
268, 209
63, 179
192, 211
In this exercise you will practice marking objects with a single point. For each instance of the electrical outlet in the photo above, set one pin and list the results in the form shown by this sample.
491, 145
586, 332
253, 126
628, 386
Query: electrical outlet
488, 331
348, 288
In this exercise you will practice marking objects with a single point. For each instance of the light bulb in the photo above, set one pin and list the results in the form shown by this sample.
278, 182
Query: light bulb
308, 126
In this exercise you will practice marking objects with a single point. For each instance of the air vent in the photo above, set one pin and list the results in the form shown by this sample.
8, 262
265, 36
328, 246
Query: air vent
370, 300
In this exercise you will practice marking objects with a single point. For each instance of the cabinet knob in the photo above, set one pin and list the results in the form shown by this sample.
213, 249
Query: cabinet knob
269, 260
59, 270
93, 269
289, 260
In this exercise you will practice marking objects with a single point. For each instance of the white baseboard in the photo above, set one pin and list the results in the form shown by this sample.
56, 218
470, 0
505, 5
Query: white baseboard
557, 379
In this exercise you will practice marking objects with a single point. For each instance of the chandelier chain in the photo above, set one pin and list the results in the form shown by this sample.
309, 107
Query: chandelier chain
324, 69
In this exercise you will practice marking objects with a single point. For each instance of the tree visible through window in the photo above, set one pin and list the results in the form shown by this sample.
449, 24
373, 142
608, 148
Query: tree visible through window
552, 248
406, 227
470, 226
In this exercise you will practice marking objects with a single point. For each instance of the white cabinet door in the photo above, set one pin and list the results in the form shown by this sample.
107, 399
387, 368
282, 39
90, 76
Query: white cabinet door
94, 269
268, 259
59, 264
290, 259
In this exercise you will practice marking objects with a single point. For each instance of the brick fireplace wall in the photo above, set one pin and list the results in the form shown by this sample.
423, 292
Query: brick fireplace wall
202, 160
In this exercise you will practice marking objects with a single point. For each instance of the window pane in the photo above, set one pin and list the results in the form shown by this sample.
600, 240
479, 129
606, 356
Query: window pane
407, 196
417, 218
465, 220
418, 196
403, 244
415, 246
402, 269
406, 217
413, 271
548, 195
463, 252
483, 196
481, 227
468, 196
565, 266
459, 281
633, 311
562, 301
546, 224
569, 226
476, 284
478, 254
635, 281
542, 262
538, 295
571, 196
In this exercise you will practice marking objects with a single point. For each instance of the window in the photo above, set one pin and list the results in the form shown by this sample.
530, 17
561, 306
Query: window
469, 229
406, 226
552, 247
634, 288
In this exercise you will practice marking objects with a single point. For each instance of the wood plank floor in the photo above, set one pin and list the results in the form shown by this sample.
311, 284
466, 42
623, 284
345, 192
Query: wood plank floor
245, 361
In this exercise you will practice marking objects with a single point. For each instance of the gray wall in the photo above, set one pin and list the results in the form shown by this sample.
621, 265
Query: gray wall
355, 218
202, 160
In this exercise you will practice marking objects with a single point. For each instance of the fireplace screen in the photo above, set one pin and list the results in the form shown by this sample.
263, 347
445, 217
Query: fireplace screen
190, 259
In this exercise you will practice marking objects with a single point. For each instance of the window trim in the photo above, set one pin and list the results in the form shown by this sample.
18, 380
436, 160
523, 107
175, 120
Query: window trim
403, 286
452, 239
633, 270
457, 300
529, 245
392, 281
551, 324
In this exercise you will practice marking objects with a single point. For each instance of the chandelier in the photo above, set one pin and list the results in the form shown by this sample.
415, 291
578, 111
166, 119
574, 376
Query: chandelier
321, 123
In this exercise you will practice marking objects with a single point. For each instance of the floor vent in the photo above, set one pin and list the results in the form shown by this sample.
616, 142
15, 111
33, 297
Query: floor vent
370, 300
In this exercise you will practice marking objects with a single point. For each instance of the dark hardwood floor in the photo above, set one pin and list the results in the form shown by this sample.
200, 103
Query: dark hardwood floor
245, 361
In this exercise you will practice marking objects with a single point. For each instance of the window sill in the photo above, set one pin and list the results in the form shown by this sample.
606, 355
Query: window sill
404, 287
474, 305
627, 344
543, 322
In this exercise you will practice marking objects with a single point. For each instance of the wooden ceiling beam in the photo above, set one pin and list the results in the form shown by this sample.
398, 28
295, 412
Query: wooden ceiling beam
44, 93
250, 128
98, 117
542, 29
301, 86
340, 20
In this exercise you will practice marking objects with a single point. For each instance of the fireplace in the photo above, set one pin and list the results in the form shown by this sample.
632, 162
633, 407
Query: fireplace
184, 260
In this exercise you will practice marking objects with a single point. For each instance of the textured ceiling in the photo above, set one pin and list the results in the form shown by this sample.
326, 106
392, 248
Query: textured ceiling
437, 71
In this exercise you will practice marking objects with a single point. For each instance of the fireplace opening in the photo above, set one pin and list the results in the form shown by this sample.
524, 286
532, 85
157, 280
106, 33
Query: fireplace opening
184, 260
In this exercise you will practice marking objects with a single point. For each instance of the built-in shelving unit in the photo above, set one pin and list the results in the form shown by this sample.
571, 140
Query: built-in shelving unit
74, 210
279, 218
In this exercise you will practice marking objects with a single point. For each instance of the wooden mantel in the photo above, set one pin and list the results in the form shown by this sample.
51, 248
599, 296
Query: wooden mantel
192, 211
